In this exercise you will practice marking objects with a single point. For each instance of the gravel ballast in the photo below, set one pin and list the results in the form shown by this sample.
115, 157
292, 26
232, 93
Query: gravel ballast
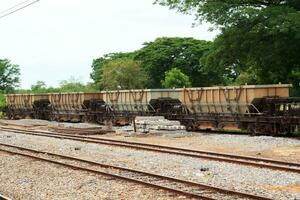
263, 182
280, 148
31, 179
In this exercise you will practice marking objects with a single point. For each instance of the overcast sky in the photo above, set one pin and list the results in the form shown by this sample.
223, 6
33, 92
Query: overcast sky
54, 40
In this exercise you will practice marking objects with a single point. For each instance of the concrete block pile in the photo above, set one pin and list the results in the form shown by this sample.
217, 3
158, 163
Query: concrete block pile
145, 124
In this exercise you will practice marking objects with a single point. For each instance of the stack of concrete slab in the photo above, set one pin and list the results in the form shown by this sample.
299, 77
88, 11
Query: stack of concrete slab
145, 124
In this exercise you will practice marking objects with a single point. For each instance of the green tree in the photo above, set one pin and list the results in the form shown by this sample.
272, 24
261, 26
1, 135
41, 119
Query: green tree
175, 79
259, 40
123, 73
9, 76
266, 45
39, 87
163, 54
71, 85
225, 13
98, 64
2, 104
74, 85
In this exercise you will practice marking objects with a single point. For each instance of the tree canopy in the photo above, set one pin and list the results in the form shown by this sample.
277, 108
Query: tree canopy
163, 54
9, 76
226, 12
174, 78
98, 64
265, 47
71, 85
259, 40
159, 56
123, 73
39, 87
74, 85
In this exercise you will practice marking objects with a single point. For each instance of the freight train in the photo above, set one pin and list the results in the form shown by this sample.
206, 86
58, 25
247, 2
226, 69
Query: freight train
258, 109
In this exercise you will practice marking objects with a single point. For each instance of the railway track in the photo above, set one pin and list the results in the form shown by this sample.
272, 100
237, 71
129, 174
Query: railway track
2, 197
170, 184
230, 158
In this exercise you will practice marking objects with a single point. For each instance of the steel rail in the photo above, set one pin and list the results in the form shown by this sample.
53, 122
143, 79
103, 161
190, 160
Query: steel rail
2, 197
197, 151
206, 189
251, 161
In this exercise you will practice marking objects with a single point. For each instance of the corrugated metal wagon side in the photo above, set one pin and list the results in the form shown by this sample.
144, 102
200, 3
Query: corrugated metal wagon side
71, 106
227, 100
135, 101
126, 104
20, 106
219, 107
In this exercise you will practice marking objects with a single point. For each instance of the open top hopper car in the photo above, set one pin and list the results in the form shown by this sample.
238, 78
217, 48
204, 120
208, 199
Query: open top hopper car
259, 109
71, 106
20, 106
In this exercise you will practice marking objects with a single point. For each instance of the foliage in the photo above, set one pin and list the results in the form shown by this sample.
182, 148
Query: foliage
259, 40
98, 64
174, 78
75, 85
295, 91
71, 85
163, 54
160, 56
123, 73
9, 76
2, 103
246, 77
265, 47
226, 12
39, 87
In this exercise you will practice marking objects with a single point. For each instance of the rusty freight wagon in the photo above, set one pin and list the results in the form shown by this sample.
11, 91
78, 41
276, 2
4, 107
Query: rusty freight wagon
126, 104
231, 107
73, 106
222, 100
225, 107
20, 106
139, 101
260, 109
